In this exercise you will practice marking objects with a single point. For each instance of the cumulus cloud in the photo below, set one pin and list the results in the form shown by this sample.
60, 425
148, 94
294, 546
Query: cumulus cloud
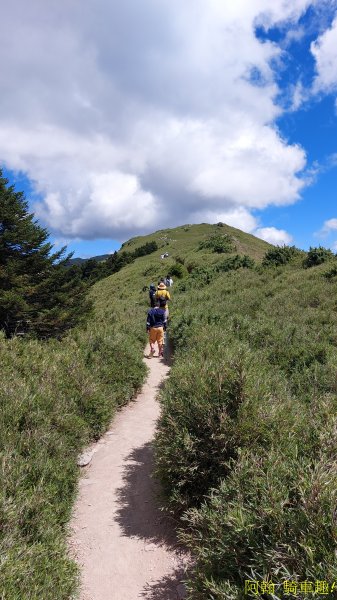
275, 236
328, 226
324, 52
128, 116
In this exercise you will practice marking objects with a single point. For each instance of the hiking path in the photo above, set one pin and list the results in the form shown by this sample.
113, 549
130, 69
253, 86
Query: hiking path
125, 546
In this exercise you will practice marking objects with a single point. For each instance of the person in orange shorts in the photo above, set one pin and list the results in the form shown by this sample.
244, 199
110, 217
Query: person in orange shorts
156, 325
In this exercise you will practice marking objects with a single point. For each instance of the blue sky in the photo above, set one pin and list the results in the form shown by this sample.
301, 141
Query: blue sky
131, 120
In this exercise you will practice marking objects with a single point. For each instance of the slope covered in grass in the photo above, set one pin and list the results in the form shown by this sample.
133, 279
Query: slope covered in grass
246, 447
56, 396
253, 380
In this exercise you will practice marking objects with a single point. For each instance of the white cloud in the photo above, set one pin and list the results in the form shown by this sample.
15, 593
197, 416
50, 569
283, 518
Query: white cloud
299, 96
278, 237
109, 198
128, 116
325, 54
328, 226
239, 217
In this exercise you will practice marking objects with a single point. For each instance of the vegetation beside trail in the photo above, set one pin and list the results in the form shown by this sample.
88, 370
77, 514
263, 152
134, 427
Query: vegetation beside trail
246, 447
58, 394
93, 270
55, 397
246, 444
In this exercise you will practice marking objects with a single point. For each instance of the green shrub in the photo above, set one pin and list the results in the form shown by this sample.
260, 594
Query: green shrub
191, 266
317, 256
201, 276
235, 262
214, 403
218, 243
262, 525
331, 273
281, 255
178, 270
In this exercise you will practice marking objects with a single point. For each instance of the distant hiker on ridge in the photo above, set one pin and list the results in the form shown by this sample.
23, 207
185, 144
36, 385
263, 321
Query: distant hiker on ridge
155, 326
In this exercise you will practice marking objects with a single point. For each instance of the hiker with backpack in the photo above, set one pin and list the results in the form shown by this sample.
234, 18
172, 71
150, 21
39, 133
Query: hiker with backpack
163, 294
155, 326
152, 295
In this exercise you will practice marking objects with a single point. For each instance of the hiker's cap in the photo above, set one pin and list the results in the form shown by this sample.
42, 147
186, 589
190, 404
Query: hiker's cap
162, 286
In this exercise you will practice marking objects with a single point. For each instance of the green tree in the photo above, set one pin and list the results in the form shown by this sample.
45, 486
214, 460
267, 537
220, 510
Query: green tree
317, 256
280, 255
38, 293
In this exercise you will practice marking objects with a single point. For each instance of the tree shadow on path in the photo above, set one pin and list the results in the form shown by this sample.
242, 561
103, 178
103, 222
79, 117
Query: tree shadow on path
168, 588
139, 516
139, 513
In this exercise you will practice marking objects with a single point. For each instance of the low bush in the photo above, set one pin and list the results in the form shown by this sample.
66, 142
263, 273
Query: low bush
235, 262
178, 270
218, 243
201, 276
214, 403
331, 273
280, 255
262, 523
317, 256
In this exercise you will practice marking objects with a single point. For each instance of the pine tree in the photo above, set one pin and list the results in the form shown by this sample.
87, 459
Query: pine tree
39, 294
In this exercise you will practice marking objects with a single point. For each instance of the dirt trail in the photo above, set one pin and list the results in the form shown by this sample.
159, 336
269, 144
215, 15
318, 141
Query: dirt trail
124, 545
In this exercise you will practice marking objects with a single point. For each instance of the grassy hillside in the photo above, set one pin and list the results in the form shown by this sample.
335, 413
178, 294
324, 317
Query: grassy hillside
55, 397
245, 447
183, 242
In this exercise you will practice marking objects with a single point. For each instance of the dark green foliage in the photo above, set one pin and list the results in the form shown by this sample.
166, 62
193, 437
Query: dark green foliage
280, 255
38, 294
116, 262
317, 256
201, 276
199, 436
236, 262
92, 270
178, 270
218, 243
147, 248
332, 273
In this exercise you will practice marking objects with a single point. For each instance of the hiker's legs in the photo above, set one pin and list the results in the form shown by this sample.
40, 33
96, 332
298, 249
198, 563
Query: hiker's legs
152, 338
160, 340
